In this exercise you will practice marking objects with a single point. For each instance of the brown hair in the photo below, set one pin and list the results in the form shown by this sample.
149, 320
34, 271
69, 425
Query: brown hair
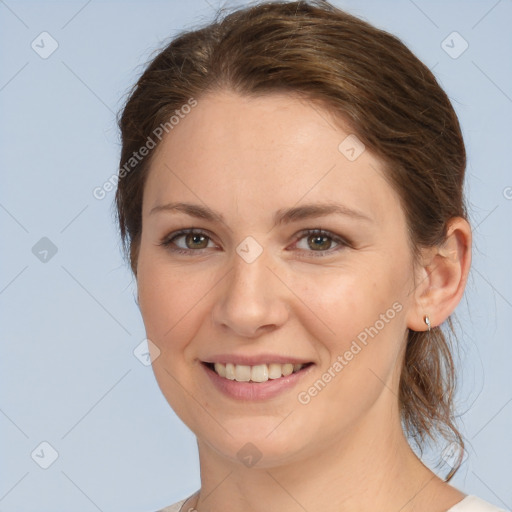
374, 84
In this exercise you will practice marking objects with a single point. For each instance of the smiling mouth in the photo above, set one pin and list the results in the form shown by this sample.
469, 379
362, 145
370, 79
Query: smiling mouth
257, 373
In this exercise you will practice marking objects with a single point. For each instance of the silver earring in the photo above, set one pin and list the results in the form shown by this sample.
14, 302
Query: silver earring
427, 321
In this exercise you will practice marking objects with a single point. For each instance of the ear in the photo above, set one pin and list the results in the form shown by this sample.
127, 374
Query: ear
441, 277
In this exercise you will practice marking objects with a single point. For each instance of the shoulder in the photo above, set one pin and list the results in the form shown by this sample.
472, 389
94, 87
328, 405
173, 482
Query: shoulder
173, 508
176, 507
473, 503
468, 504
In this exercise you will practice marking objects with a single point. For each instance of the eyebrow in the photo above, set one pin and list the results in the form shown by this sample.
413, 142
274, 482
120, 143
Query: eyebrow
282, 216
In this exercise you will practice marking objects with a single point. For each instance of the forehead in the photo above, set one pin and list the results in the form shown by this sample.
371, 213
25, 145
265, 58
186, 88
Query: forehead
271, 151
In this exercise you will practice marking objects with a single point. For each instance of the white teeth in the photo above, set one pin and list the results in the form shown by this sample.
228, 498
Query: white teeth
257, 373
242, 373
220, 369
230, 371
287, 369
274, 371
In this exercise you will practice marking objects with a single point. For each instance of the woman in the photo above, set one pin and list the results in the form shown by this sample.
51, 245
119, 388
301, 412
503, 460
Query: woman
291, 201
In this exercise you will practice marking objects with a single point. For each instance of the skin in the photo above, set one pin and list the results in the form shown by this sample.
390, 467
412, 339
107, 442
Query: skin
246, 158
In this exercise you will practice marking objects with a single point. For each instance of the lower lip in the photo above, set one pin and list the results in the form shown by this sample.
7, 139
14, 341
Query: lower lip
255, 391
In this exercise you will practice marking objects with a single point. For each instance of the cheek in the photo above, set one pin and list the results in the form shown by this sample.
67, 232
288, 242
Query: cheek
343, 303
169, 300
359, 329
361, 354
172, 309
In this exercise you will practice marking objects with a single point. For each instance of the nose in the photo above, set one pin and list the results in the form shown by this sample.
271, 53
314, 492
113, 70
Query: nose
251, 300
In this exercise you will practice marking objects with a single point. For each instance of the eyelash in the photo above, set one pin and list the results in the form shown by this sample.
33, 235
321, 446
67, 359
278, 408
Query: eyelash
168, 241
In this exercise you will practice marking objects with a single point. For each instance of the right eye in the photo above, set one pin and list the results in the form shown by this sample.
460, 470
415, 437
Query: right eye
193, 241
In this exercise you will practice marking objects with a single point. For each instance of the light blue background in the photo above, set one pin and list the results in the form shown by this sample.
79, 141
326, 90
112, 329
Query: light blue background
69, 326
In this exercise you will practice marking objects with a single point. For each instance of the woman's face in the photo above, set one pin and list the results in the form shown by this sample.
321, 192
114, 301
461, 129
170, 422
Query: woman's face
253, 286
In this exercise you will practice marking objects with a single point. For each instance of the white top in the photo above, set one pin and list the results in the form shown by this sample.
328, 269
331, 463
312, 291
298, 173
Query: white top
470, 503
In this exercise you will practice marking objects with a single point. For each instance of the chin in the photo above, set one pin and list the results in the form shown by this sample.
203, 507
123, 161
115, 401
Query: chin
263, 442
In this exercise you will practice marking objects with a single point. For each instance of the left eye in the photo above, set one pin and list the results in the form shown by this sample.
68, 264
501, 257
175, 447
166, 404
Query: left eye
194, 240
319, 241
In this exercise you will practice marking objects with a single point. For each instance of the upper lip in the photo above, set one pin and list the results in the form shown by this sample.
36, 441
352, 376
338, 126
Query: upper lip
254, 360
